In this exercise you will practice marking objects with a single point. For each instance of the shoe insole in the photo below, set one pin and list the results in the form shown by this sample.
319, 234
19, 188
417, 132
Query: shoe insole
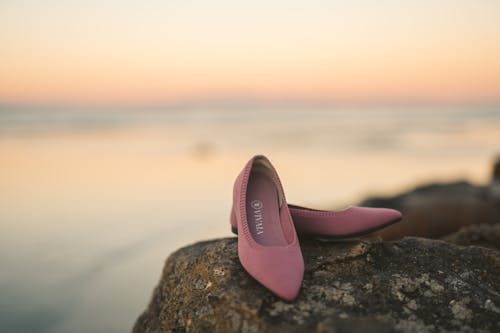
263, 211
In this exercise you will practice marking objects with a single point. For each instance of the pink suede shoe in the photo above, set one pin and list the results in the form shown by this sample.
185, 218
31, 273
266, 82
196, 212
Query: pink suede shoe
268, 245
337, 224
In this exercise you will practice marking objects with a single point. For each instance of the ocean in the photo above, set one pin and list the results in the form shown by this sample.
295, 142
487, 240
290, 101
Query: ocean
93, 200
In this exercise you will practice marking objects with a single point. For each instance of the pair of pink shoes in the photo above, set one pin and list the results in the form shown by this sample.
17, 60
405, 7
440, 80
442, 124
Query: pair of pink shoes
268, 245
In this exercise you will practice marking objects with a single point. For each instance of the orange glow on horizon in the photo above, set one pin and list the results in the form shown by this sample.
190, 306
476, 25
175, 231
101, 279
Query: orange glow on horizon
428, 59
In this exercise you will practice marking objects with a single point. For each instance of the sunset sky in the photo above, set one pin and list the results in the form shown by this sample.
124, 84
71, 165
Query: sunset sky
141, 52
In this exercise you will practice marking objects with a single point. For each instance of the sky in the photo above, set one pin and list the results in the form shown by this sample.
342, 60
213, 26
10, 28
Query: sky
176, 51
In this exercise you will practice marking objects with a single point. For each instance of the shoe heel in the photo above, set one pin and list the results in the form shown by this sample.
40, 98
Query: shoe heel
234, 229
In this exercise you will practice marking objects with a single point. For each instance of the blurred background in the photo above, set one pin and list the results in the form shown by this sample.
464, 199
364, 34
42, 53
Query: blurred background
124, 123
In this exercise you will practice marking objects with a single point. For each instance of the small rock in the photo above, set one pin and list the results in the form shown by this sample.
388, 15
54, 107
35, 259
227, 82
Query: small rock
489, 305
495, 175
460, 311
412, 305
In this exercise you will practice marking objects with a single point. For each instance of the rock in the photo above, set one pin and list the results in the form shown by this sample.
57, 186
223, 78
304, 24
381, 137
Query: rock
436, 210
487, 235
445, 207
409, 285
495, 177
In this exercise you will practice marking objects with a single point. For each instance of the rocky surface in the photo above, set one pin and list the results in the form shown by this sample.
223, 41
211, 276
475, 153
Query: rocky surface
409, 285
486, 235
445, 207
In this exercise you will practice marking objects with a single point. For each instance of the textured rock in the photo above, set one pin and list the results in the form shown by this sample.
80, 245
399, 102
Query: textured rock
436, 210
495, 176
445, 208
487, 235
410, 285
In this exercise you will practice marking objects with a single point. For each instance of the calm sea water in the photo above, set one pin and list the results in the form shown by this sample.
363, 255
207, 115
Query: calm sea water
93, 201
